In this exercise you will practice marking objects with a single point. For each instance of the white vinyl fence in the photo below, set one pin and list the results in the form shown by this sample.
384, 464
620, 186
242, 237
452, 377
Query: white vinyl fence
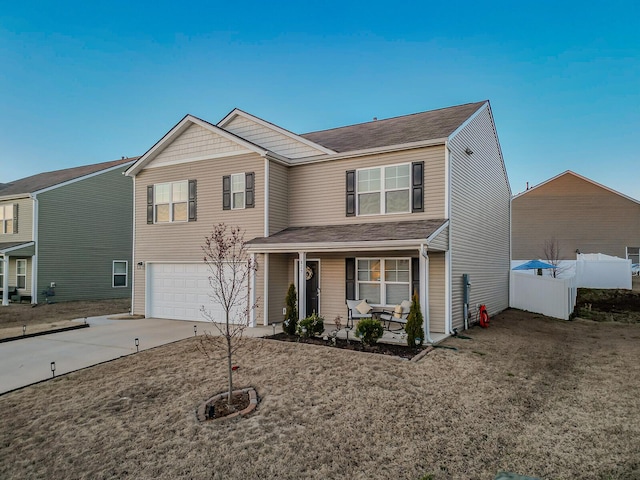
607, 272
553, 297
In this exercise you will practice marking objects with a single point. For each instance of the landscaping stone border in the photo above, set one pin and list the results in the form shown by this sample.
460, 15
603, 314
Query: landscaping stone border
253, 403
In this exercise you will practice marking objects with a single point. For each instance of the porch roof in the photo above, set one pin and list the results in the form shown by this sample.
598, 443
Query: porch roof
360, 236
17, 248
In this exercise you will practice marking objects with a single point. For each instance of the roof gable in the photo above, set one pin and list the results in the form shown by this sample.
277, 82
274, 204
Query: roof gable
48, 180
418, 127
194, 139
272, 137
539, 189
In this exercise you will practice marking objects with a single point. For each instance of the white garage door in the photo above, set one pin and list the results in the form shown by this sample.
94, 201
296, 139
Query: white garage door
179, 290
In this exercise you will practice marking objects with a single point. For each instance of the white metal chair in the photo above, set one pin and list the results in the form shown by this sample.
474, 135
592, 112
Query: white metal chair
353, 313
399, 316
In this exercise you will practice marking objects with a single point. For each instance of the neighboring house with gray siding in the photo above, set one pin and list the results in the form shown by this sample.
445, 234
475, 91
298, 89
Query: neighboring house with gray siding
578, 215
69, 233
371, 211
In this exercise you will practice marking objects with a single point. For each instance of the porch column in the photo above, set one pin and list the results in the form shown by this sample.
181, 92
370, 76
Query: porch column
424, 291
5, 280
302, 284
252, 297
265, 320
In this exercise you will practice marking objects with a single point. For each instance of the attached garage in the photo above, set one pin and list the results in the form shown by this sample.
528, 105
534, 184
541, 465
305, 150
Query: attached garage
179, 290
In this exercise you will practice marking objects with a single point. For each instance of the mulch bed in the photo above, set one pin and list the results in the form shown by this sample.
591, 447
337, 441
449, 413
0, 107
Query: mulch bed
221, 407
403, 351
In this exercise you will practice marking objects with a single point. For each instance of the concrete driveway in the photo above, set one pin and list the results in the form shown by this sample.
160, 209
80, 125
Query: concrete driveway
27, 361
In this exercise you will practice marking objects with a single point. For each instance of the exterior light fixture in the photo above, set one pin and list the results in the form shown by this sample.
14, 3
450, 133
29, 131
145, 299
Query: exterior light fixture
137, 342
24, 329
195, 330
468, 151
417, 341
53, 369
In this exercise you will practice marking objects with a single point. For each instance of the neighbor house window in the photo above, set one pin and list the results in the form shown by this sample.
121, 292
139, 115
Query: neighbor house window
237, 190
384, 281
171, 202
384, 189
21, 273
1, 273
120, 272
6, 218
633, 253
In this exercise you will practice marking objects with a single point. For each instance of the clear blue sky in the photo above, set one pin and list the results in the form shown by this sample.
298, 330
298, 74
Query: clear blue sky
86, 82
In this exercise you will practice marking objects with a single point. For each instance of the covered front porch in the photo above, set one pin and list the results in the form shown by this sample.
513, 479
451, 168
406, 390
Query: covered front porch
383, 263
16, 271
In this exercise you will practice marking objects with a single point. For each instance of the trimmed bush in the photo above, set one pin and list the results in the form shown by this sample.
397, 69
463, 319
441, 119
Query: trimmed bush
291, 316
414, 324
369, 330
311, 326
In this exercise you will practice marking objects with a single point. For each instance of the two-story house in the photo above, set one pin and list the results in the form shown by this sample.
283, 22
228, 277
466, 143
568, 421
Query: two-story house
371, 211
67, 233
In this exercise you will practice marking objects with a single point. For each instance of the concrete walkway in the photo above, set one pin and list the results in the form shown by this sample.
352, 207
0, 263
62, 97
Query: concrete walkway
27, 361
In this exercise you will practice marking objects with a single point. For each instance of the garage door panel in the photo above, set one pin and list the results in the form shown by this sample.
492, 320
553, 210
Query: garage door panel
178, 291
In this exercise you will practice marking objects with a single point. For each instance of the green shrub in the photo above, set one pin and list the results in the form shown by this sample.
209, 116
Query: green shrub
414, 324
369, 330
310, 326
291, 316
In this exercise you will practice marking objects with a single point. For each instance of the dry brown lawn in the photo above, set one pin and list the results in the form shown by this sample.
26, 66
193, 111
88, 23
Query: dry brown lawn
50, 316
541, 397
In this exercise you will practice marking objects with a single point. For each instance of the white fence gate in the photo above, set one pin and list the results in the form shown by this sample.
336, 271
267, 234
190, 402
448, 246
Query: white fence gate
553, 297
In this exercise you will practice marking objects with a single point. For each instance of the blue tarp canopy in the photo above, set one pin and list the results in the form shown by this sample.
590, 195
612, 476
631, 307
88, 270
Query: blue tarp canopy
533, 265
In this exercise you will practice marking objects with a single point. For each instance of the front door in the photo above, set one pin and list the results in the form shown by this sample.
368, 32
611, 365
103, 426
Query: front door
312, 275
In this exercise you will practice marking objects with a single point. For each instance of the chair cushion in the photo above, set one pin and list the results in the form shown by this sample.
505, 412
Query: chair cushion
363, 307
406, 305
397, 312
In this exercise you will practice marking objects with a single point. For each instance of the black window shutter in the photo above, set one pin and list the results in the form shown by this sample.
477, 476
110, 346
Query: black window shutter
193, 194
249, 189
350, 276
415, 276
15, 218
351, 193
417, 188
226, 192
149, 203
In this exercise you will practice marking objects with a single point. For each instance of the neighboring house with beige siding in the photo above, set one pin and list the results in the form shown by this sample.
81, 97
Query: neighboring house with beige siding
579, 215
67, 232
371, 211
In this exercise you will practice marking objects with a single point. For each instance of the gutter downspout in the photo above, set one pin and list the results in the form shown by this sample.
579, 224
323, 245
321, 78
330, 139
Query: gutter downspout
34, 259
424, 263
134, 265
265, 256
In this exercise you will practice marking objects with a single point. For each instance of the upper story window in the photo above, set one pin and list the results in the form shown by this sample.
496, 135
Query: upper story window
238, 191
8, 218
385, 190
171, 202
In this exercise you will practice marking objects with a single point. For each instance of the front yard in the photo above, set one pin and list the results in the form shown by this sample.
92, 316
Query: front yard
540, 397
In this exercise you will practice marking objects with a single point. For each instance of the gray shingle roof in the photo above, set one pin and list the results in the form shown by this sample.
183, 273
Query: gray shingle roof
417, 127
49, 179
359, 232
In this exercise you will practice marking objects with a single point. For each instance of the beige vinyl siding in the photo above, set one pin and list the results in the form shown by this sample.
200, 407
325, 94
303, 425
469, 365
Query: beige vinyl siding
259, 293
317, 191
83, 227
437, 293
196, 143
578, 214
479, 227
25, 221
280, 276
270, 139
278, 197
182, 241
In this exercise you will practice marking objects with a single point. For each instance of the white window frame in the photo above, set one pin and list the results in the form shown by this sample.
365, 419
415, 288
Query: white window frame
383, 282
382, 191
6, 218
20, 261
126, 274
243, 190
635, 254
1, 272
171, 203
